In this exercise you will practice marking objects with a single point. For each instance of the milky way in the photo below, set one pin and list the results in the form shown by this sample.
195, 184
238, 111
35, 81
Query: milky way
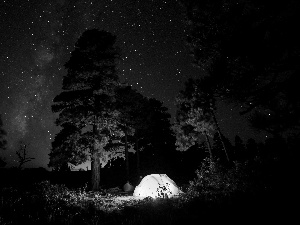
37, 38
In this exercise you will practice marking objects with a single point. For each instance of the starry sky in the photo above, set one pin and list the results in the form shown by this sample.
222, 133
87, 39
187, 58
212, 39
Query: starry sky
37, 37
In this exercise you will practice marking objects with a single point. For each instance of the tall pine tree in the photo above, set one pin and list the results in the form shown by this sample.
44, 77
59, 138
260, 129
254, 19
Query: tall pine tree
2, 142
130, 106
192, 123
250, 49
201, 94
86, 105
2, 136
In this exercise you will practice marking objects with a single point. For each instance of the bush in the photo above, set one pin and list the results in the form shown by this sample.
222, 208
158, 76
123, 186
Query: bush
214, 182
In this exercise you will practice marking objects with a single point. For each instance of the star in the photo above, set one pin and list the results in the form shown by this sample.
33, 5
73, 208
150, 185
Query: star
37, 38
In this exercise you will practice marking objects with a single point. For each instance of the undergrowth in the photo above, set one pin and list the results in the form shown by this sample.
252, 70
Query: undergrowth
216, 194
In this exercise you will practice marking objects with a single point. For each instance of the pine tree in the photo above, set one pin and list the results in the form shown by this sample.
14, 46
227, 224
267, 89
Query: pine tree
217, 146
145, 123
157, 137
252, 149
3, 142
202, 95
192, 123
250, 50
86, 105
197, 102
239, 148
130, 104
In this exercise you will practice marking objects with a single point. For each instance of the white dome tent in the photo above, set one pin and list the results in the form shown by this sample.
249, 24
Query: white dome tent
156, 186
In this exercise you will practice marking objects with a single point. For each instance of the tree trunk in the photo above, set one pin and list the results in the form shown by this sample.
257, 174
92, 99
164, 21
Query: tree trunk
208, 145
220, 134
126, 156
137, 157
95, 163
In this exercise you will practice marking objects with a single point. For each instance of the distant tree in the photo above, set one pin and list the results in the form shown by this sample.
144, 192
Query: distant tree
250, 49
2, 162
239, 148
64, 167
142, 132
217, 146
273, 148
64, 147
86, 105
252, 149
156, 136
22, 154
202, 94
3, 141
131, 106
192, 123
195, 110
146, 124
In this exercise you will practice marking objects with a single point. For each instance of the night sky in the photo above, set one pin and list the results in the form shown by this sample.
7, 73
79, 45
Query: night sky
37, 37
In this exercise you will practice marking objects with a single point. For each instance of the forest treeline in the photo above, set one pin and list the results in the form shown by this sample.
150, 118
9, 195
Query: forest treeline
249, 51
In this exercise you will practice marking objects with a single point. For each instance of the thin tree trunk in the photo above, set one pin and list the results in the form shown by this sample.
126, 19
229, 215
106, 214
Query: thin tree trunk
137, 157
126, 155
95, 163
208, 145
220, 134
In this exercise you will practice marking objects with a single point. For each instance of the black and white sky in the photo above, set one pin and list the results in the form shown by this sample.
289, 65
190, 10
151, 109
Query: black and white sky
37, 37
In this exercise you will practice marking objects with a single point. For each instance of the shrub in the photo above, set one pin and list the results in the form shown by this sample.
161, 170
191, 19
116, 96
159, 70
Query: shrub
214, 182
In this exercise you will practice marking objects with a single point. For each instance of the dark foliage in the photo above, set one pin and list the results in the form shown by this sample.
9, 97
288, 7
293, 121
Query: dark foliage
86, 111
250, 50
22, 154
3, 141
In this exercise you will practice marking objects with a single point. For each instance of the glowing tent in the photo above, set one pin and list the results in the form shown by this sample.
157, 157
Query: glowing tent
156, 185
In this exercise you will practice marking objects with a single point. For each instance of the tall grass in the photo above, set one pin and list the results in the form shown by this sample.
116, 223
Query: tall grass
215, 195
45, 203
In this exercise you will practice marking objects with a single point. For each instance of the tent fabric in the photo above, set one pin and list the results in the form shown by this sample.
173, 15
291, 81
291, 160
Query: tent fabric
128, 187
156, 186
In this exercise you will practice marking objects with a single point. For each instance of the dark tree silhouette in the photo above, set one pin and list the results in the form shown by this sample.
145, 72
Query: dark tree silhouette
147, 127
131, 106
252, 149
3, 142
217, 146
150, 125
63, 147
194, 117
202, 95
239, 149
157, 138
86, 105
189, 131
250, 49
2, 162
22, 154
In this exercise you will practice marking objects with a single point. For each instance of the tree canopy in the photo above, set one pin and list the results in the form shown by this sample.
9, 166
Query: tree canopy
193, 119
86, 108
3, 142
250, 50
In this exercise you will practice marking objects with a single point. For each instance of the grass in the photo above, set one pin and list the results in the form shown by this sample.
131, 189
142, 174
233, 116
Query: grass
46, 203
